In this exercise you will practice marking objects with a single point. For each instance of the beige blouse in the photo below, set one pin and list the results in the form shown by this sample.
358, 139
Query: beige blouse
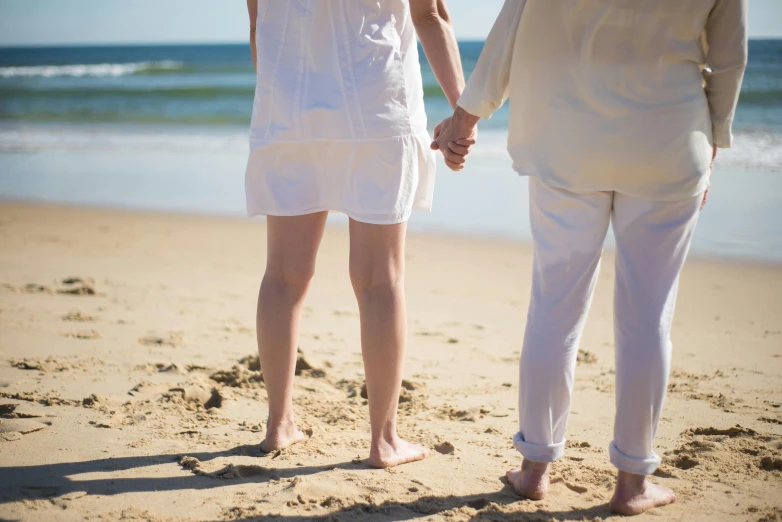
623, 95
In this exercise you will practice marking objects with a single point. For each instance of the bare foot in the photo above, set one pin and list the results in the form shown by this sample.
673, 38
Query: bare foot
530, 480
386, 454
634, 495
281, 436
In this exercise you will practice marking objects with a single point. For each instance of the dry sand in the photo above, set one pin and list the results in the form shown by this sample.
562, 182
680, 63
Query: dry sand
129, 389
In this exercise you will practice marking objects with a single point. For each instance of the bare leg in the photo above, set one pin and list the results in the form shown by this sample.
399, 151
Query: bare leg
292, 244
531, 480
634, 495
377, 272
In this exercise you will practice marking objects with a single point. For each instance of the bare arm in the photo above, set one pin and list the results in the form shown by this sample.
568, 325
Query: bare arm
252, 11
486, 91
435, 31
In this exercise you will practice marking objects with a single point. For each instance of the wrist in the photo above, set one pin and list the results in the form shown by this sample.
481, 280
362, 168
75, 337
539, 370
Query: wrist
464, 118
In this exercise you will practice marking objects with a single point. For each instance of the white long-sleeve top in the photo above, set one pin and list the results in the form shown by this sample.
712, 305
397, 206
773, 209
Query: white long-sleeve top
622, 95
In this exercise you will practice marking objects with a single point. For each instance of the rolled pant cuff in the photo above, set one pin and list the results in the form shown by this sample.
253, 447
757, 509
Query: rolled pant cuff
633, 465
538, 452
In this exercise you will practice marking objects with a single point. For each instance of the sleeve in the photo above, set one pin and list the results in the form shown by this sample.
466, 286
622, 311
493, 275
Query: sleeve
726, 60
489, 84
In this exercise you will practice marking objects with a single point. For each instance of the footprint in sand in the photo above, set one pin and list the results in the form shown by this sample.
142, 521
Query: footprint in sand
229, 472
197, 395
77, 286
84, 334
171, 339
571, 485
411, 396
445, 447
28, 364
429, 333
585, 357
303, 367
31, 288
727, 450
78, 317
15, 424
50, 364
160, 367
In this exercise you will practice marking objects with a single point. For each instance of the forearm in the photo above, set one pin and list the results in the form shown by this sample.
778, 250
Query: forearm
253, 49
252, 13
726, 60
437, 37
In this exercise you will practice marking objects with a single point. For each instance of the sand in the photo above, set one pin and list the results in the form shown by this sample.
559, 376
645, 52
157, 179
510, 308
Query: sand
129, 388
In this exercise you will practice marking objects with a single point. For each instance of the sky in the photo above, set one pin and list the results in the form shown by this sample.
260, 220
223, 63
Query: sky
73, 22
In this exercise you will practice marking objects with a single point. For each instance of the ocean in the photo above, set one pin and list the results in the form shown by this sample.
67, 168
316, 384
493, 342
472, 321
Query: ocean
165, 128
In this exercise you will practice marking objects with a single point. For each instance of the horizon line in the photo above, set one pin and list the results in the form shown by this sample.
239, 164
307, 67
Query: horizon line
195, 43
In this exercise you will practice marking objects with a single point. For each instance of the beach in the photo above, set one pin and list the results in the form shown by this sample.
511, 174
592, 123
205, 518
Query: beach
130, 389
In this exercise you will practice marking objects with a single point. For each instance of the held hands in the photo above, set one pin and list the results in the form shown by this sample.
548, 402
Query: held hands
455, 136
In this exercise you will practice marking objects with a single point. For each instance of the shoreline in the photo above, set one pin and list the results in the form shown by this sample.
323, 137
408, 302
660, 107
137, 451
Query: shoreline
455, 235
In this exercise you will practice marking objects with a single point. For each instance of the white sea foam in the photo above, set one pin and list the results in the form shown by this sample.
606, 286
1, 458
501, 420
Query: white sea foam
756, 150
78, 70
82, 137
752, 150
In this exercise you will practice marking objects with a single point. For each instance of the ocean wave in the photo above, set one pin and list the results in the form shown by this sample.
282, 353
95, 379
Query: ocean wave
752, 149
96, 69
89, 92
34, 138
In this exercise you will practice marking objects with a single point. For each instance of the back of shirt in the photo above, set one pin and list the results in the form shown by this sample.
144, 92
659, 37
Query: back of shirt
609, 94
336, 69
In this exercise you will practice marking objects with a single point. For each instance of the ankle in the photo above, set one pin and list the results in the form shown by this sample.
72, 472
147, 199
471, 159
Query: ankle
535, 467
386, 437
630, 481
282, 423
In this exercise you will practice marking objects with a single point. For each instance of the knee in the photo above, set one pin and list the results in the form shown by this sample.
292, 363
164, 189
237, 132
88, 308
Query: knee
373, 277
647, 332
291, 277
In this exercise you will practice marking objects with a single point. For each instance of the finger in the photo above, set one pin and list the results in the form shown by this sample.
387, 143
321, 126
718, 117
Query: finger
466, 142
453, 157
458, 149
434, 145
438, 130
453, 166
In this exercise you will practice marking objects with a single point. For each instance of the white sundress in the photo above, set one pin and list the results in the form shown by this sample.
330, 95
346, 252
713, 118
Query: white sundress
338, 120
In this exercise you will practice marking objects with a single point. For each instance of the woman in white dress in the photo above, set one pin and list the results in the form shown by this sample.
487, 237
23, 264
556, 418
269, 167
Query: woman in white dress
338, 124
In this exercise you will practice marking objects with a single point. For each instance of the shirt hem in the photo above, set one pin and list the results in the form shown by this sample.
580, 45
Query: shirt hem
352, 215
417, 134
699, 189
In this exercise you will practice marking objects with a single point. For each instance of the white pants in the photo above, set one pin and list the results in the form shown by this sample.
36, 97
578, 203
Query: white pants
568, 230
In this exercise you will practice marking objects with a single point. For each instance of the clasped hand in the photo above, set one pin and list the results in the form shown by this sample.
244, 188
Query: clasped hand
454, 137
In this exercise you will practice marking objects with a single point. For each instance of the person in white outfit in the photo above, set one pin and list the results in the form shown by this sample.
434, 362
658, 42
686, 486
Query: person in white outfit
338, 124
617, 110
